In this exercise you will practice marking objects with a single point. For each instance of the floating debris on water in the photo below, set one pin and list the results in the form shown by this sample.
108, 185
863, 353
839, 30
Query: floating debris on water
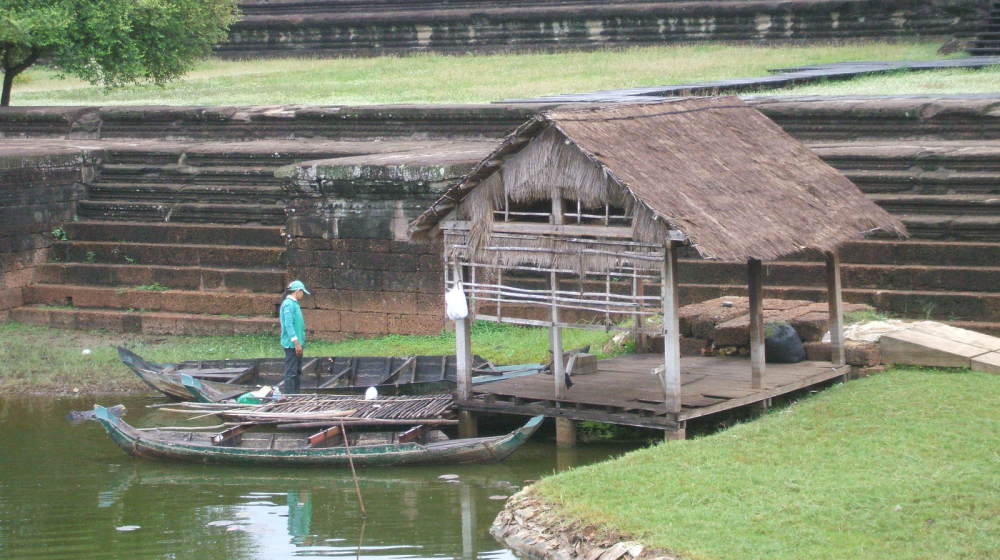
124, 528
448, 477
499, 497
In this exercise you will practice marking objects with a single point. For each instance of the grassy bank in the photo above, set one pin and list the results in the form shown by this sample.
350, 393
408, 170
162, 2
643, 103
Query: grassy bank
455, 79
43, 359
901, 465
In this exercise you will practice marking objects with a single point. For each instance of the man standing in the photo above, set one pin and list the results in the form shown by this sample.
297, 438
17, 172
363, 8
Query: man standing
293, 335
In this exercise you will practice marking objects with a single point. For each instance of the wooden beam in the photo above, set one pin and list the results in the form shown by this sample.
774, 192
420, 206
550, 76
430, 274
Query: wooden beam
834, 298
612, 232
755, 288
671, 330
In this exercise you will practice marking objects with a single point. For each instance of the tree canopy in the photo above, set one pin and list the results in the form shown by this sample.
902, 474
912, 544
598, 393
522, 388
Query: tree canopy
110, 42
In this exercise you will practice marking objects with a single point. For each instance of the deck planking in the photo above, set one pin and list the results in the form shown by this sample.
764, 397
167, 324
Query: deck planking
626, 392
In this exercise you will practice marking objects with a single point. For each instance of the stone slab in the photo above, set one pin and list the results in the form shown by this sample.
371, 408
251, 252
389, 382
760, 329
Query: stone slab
914, 347
983, 341
989, 362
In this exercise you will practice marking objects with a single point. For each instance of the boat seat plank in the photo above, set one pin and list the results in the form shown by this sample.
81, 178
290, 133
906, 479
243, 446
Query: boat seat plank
323, 436
230, 436
413, 434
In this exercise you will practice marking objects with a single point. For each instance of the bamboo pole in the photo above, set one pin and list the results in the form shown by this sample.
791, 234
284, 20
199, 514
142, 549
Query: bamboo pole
354, 473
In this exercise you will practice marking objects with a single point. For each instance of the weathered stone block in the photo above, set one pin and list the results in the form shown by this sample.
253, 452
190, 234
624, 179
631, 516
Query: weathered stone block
416, 324
364, 323
365, 280
817, 351
322, 320
811, 326
863, 354
699, 319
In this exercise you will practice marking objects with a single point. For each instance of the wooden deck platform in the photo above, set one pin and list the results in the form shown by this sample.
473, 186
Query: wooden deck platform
624, 391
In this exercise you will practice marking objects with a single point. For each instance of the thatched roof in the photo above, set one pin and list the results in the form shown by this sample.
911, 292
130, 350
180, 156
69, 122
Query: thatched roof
715, 169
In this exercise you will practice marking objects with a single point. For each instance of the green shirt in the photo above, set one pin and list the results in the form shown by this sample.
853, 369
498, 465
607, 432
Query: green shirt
292, 323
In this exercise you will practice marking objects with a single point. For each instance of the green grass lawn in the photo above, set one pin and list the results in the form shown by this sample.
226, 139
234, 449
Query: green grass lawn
903, 465
43, 359
984, 80
455, 79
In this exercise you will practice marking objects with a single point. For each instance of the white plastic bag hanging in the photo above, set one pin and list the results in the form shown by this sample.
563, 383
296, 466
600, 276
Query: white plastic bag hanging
456, 308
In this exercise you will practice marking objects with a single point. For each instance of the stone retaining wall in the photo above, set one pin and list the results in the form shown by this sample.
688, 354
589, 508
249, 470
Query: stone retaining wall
347, 217
377, 27
347, 240
39, 188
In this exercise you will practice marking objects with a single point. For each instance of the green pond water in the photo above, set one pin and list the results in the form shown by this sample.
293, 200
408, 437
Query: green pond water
66, 491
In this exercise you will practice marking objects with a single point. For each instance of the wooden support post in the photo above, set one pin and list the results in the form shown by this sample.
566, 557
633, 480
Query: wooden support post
678, 433
755, 285
463, 369
637, 336
834, 297
555, 335
555, 344
565, 432
671, 330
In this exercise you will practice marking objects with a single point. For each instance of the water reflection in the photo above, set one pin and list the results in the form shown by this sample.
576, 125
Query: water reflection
66, 491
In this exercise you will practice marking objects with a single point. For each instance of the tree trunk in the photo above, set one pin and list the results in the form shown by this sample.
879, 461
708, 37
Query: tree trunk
11, 72
8, 83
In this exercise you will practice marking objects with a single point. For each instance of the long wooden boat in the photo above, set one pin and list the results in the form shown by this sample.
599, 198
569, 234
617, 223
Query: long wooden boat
227, 379
321, 449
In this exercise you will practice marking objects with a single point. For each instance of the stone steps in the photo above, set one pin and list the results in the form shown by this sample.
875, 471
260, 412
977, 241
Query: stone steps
175, 301
854, 276
376, 28
938, 204
117, 320
966, 307
168, 254
204, 175
947, 226
172, 233
894, 121
167, 193
263, 214
930, 182
175, 277
913, 252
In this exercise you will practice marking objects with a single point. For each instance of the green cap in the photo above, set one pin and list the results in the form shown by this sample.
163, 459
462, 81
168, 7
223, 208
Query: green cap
297, 285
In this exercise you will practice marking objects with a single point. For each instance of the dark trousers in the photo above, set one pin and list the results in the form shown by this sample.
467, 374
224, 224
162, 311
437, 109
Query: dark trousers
293, 371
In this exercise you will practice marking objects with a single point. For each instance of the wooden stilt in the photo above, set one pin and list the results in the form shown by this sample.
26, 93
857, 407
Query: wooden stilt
678, 433
671, 330
637, 336
565, 432
556, 347
755, 285
463, 367
555, 334
834, 297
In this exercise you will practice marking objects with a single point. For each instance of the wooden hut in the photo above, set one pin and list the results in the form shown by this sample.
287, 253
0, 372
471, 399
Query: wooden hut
598, 202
